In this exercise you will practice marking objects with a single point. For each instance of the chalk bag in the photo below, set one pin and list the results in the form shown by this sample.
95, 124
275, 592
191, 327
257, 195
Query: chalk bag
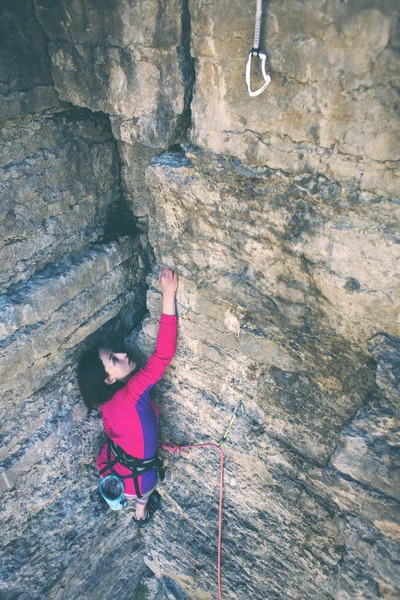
112, 490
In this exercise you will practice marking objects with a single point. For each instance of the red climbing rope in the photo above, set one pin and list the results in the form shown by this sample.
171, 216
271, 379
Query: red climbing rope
182, 449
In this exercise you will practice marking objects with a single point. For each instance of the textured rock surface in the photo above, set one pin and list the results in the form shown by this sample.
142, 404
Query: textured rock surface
270, 230
332, 103
59, 308
365, 485
283, 224
302, 368
134, 160
128, 60
60, 177
26, 84
62, 543
67, 268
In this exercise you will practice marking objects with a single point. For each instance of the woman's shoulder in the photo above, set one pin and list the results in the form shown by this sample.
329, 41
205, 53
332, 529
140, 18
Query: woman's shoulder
116, 400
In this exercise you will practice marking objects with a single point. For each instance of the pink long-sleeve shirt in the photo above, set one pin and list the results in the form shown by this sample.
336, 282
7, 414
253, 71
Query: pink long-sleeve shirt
131, 417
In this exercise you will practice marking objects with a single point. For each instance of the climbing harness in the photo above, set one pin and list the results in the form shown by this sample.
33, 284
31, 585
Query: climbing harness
112, 486
137, 466
112, 490
255, 51
183, 449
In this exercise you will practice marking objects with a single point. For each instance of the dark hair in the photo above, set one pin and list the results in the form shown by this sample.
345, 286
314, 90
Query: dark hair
91, 380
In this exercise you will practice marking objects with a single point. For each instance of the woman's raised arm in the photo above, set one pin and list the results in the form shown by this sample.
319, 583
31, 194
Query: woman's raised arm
166, 340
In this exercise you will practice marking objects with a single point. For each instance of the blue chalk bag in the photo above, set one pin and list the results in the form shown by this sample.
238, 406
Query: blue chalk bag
112, 490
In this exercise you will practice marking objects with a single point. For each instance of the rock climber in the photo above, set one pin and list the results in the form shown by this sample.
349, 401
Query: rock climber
111, 381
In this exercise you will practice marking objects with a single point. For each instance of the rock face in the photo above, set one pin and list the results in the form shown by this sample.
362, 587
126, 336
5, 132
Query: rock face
258, 325
71, 262
60, 176
59, 308
280, 215
332, 103
364, 482
128, 60
26, 84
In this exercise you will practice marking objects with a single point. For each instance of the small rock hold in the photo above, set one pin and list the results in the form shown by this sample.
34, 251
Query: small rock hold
331, 190
352, 285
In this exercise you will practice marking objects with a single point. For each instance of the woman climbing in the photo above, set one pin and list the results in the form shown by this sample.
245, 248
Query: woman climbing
108, 379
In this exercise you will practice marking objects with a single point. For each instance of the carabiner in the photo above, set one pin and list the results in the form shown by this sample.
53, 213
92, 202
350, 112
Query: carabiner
267, 78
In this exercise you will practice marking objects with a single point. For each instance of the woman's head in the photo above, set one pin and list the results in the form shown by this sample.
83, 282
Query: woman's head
117, 365
101, 373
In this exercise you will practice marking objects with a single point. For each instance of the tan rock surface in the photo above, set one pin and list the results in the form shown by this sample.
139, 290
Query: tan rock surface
50, 508
66, 270
26, 85
331, 104
124, 59
255, 325
59, 179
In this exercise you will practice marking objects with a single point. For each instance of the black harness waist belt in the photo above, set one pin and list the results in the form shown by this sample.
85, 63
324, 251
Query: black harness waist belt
137, 466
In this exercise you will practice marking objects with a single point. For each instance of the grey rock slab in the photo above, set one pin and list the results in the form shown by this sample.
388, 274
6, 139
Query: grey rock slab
37, 100
282, 531
386, 351
134, 160
369, 524
243, 230
266, 351
368, 449
124, 59
369, 455
330, 106
59, 539
29, 303
59, 180
257, 325
240, 242
355, 262
26, 85
85, 291
363, 478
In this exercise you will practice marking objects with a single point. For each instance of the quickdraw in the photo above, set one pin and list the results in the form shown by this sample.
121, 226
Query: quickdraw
255, 51
235, 412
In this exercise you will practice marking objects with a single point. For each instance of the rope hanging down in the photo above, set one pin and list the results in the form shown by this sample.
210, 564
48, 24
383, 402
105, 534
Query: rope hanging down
255, 51
183, 449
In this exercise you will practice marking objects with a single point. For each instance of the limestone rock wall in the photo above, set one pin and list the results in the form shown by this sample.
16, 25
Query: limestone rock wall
332, 103
320, 426
26, 84
281, 217
60, 175
126, 59
72, 267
